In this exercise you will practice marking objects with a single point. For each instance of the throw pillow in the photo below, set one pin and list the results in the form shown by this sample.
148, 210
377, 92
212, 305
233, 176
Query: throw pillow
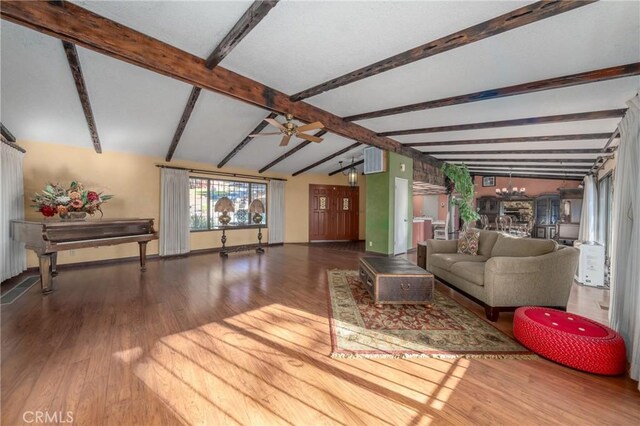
468, 242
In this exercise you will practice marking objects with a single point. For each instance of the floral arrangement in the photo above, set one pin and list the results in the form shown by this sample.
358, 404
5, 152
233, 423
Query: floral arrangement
56, 199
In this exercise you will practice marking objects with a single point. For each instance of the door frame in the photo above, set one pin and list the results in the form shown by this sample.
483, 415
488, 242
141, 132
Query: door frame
397, 220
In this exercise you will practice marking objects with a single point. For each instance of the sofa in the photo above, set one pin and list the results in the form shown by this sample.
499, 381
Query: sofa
506, 273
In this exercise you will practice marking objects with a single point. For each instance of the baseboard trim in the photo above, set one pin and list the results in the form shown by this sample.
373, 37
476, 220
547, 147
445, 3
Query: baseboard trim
150, 257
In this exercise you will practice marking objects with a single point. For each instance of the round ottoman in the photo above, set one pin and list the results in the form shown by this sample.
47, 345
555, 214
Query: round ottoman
570, 339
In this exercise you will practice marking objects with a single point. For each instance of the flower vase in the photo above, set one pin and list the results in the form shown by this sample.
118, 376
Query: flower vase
73, 215
77, 215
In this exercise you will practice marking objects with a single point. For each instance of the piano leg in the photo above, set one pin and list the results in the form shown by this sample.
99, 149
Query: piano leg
54, 263
143, 255
46, 280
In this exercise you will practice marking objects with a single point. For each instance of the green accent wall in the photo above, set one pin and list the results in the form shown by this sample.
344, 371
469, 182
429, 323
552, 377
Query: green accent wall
380, 214
377, 213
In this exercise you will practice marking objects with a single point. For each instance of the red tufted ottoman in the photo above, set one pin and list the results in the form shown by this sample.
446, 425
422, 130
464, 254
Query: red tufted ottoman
571, 340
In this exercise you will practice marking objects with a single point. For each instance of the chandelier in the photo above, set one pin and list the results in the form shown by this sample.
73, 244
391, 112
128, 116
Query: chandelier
352, 174
510, 190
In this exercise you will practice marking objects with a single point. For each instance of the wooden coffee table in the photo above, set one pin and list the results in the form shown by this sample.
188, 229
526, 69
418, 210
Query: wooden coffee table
392, 280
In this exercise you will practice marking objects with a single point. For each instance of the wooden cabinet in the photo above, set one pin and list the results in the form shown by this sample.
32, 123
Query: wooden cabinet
548, 209
489, 206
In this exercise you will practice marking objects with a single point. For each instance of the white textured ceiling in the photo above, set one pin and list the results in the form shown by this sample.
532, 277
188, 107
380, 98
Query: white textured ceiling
304, 43
194, 26
39, 99
301, 44
135, 110
591, 37
217, 124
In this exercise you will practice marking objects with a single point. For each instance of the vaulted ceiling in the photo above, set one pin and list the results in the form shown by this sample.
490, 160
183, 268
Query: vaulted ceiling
298, 45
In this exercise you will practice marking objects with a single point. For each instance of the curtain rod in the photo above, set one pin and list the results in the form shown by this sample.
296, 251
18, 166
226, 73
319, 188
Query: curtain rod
13, 145
211, 172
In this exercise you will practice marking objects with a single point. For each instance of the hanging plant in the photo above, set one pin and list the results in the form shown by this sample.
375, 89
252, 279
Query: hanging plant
459, 180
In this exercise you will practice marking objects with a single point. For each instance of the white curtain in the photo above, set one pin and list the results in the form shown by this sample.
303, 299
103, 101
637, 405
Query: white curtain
589, 214
275, 211
13, 257
174, 212
624, 312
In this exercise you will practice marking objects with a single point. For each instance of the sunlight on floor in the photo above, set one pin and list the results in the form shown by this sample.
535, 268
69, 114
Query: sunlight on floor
272, 366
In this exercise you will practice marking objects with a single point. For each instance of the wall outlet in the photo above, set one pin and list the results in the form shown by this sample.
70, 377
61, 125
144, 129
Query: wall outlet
370, 243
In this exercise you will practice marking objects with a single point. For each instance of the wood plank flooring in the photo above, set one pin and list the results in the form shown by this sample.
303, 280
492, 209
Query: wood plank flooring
201, 340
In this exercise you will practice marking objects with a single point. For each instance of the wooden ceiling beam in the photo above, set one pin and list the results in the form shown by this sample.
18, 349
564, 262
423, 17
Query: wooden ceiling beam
529, 176
245, 24
593, 76
524, 151
184, 119
580, 116
84, 28
246, 140
522, 171
83, 94
514, 19
550, 138
291, 152
327, 158
11, 143
6, 133
341, 169
518, 160
470, 165
613, 136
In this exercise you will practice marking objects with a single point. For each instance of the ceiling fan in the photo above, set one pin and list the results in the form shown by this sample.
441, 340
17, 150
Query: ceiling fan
290, 128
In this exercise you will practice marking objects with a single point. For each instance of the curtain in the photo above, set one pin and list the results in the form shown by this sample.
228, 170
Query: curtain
589, 214
174, 212
12, 254
275, 211
624, 311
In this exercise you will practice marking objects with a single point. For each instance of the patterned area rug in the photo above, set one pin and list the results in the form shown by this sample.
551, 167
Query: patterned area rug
444, 329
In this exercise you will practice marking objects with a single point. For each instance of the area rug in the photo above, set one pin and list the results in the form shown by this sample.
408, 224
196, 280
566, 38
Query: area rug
444, 329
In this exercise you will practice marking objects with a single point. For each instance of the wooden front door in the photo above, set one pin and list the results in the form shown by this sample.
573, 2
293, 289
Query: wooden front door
333, 213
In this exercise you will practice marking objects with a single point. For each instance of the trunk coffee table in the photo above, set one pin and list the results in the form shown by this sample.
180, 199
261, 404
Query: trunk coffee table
392, 280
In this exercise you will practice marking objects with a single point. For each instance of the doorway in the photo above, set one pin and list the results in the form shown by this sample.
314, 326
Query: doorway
333, 213
401, 226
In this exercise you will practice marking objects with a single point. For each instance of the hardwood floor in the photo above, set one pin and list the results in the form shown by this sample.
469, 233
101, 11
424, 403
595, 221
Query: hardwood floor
201, 340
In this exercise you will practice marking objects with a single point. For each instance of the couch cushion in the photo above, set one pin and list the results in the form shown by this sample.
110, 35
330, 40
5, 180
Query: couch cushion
445, 260
470, 271
487, 241
507, 246
468, 242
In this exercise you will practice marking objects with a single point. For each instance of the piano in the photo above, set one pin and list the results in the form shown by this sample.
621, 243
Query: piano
47, 237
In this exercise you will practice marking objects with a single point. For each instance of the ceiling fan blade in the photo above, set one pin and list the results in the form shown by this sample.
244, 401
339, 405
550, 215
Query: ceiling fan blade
311, 126
309, 137
285, 140
265, 134
275, 123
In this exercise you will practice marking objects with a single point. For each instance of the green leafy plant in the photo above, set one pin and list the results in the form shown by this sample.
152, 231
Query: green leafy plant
462, 183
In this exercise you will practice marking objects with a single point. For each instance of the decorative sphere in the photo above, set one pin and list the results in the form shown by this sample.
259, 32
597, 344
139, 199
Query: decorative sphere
257, 218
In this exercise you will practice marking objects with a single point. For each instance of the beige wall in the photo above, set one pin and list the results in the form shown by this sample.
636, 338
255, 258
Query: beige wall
135, 183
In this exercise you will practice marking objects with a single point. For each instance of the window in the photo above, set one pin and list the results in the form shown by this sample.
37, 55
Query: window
204, 193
